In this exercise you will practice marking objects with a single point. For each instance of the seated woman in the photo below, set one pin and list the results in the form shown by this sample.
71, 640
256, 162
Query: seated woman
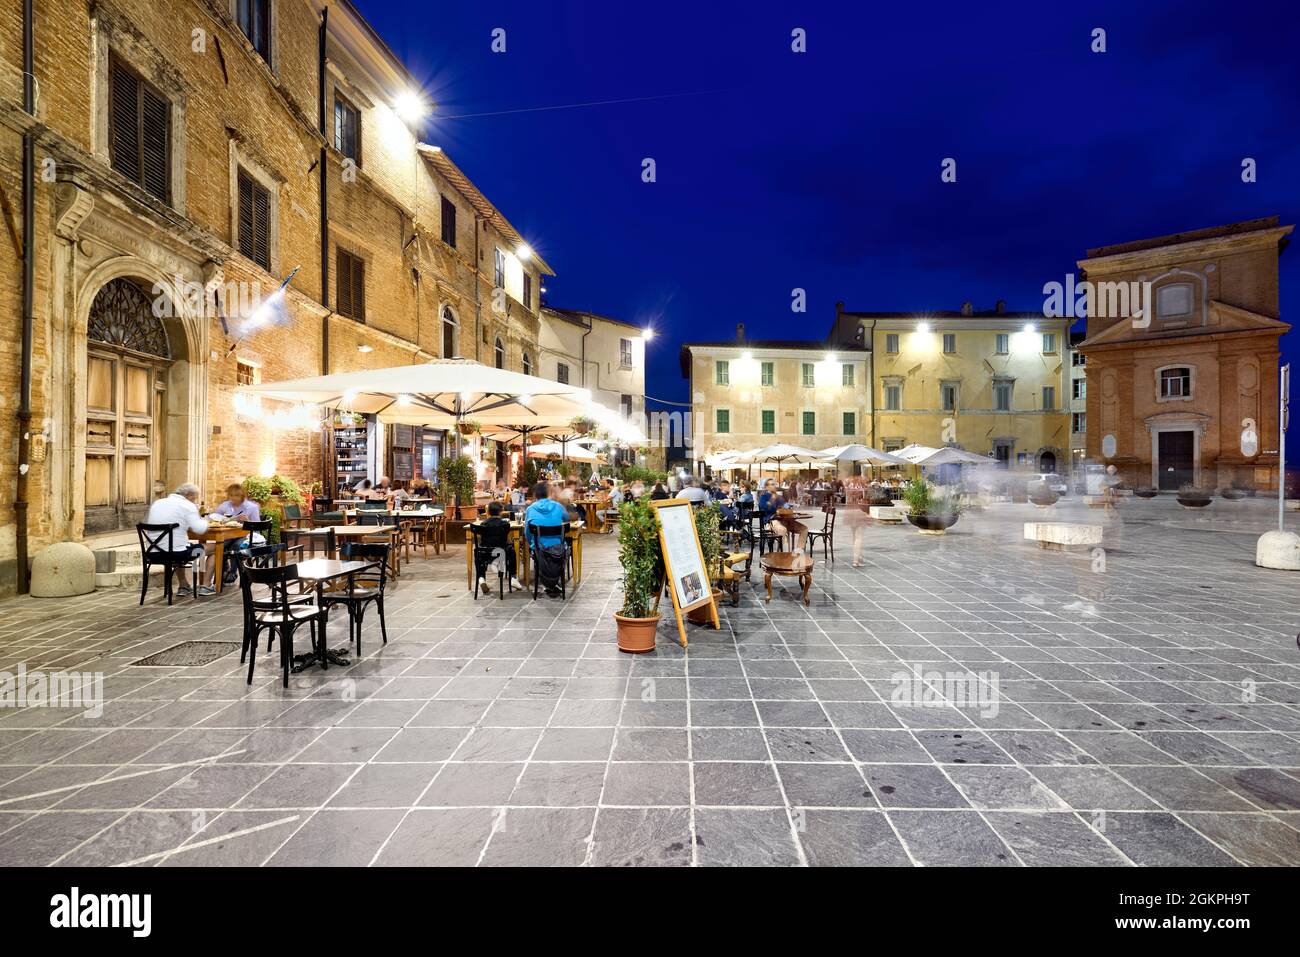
243, 509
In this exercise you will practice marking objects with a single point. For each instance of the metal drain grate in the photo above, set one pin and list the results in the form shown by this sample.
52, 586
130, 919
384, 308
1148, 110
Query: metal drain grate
190, 654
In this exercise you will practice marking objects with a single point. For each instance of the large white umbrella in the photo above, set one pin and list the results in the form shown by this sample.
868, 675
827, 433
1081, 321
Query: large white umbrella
779, 453
573, 451
861, 453
927, 455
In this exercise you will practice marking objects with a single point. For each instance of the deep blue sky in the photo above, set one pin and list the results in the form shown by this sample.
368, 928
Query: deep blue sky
821, 170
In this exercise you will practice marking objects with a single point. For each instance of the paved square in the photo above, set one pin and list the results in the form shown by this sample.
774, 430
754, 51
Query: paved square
1147, 712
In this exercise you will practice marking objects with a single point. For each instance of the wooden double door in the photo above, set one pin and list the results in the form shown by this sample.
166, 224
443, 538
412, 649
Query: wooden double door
125, 412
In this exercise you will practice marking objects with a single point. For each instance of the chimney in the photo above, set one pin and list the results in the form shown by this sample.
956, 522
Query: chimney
967, 308
740, 332
1001, 307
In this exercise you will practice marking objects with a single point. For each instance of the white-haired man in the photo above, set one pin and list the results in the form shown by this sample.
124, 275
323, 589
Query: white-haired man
182, 510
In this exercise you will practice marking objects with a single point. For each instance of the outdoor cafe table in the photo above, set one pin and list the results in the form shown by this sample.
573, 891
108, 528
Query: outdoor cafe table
318, 571
218, 535
352, 513
592, 506
787, 565
521, 551
344, 532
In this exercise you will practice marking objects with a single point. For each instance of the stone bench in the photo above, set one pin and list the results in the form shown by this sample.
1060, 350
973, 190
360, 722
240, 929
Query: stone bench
1062, 535
885, 513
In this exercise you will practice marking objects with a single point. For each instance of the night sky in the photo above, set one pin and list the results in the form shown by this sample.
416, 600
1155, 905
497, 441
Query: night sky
821, 170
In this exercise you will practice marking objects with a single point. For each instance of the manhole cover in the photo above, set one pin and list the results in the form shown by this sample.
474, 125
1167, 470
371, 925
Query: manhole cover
190, 654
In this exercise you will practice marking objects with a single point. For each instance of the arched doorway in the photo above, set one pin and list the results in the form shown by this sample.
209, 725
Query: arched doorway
1047, 462
127, 358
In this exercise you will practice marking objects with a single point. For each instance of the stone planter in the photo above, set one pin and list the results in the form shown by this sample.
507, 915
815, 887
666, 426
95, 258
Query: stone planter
1146, 493
933, 524
1232, 494
636, 635
1044, 500
1193, 501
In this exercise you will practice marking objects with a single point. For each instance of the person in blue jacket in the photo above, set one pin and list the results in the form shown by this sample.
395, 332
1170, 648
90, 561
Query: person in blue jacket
545, 511
769, 500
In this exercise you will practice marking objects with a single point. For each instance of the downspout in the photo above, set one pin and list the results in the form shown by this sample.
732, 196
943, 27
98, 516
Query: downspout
478, 292
29, 274
329, 476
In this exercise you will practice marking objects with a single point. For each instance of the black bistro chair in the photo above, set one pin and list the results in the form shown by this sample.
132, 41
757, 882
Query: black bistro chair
826, 534
362, 588
485, 557
155, 549
534, 535
234, 548
280, 609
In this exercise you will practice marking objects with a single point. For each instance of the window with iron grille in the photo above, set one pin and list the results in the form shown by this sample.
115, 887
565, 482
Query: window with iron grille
245, 373
254, 220
347, 128
254, 19
448, 222
350, 286
139, 131
769, 421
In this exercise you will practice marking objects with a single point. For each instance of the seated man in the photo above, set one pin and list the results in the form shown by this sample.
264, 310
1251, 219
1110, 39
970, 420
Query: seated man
769, 500
241, 508
694, 492
495, 535
615, 500
181, 509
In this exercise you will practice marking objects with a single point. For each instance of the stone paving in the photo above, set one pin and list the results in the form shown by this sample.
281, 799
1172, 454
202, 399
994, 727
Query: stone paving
1147, 711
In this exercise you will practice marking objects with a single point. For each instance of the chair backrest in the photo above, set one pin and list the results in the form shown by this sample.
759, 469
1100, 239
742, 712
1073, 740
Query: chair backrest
292, 512
276, 579
364, 519
155, 539
258, 528
535, 533
368, 552
263, 556
828, 523
374, 503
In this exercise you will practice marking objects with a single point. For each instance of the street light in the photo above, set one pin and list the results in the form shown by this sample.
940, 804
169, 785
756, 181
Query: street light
410, 106
647, 334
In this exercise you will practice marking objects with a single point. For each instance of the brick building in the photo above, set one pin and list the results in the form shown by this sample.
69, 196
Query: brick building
189, 156
1187, 391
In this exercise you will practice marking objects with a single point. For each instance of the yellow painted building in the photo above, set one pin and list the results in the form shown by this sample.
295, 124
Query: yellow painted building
991, 382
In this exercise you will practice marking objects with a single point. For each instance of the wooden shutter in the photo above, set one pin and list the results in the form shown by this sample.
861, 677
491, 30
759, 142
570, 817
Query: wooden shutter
343, 284
246, 214
359, 288
254, 220
124, 130
155, 166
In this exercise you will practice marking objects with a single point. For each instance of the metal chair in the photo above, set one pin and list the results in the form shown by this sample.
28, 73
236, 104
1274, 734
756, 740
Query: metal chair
155, 549
363, 587
279, 611
827, 534
489, 555
534, 535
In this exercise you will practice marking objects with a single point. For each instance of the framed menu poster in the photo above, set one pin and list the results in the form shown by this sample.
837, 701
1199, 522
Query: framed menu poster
688, 581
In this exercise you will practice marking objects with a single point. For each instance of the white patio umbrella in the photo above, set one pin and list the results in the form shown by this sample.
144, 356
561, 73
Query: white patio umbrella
861, 453
574, 451
778, 453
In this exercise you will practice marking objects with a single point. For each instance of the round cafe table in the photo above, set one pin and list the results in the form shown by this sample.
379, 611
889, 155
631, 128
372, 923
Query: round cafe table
787, 565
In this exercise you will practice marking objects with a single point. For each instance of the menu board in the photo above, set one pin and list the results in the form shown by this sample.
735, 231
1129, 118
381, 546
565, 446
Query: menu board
683, 560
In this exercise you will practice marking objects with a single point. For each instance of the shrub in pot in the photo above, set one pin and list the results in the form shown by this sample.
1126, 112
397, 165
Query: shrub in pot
932, 511
1192, 496
456, 476
639, 554
582, 425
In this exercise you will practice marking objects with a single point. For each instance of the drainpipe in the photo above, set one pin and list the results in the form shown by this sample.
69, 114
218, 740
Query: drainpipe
29, 267
478, 292
324, 197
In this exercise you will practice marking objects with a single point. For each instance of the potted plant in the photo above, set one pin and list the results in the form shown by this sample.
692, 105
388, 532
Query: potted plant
1146, 491
1232, 493
638, 552
932, 512
707, 525
456, 476
468, 428
1192, 496
582, 425
1042, 494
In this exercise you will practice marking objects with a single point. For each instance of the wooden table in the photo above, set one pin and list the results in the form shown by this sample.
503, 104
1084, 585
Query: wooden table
218, 535
522, 553
791, 520
787, 565
343, 532
592, 507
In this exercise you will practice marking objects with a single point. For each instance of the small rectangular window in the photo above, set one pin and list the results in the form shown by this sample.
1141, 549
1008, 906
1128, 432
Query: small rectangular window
1078, 358
347, 129
850, 423
528, 290
561, 373
769, 422
893, 398
891, 343
846, 374
245, 373
1049, 342
499, 269
254, 216
625, 405
949, 343
1002, 344
1049, 398
810, 423
1079, 422
722, 372
1175, 383
625, 353
1081, 388
448, 222
350, 286
809, 375
724, 421
948, 396
768, 373
254, 19
139, 131
1002, 396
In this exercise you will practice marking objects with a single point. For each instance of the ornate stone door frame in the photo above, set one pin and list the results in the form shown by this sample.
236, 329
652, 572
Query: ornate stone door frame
1194, 422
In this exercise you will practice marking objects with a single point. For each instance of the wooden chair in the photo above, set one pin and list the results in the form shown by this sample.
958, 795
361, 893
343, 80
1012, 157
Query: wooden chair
280, 610
155, 549
826, 534
362, 588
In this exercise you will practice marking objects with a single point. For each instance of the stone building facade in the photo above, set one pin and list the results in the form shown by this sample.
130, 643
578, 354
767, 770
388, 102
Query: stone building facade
1185, 390
180, 151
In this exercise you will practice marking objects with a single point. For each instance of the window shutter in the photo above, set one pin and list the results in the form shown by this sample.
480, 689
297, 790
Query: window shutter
343, 285
124, 133
358, 288
246, 214
154, 112
262, 226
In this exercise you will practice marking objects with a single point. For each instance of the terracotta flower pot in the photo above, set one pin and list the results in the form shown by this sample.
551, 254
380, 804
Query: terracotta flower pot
467, 513
636, 635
